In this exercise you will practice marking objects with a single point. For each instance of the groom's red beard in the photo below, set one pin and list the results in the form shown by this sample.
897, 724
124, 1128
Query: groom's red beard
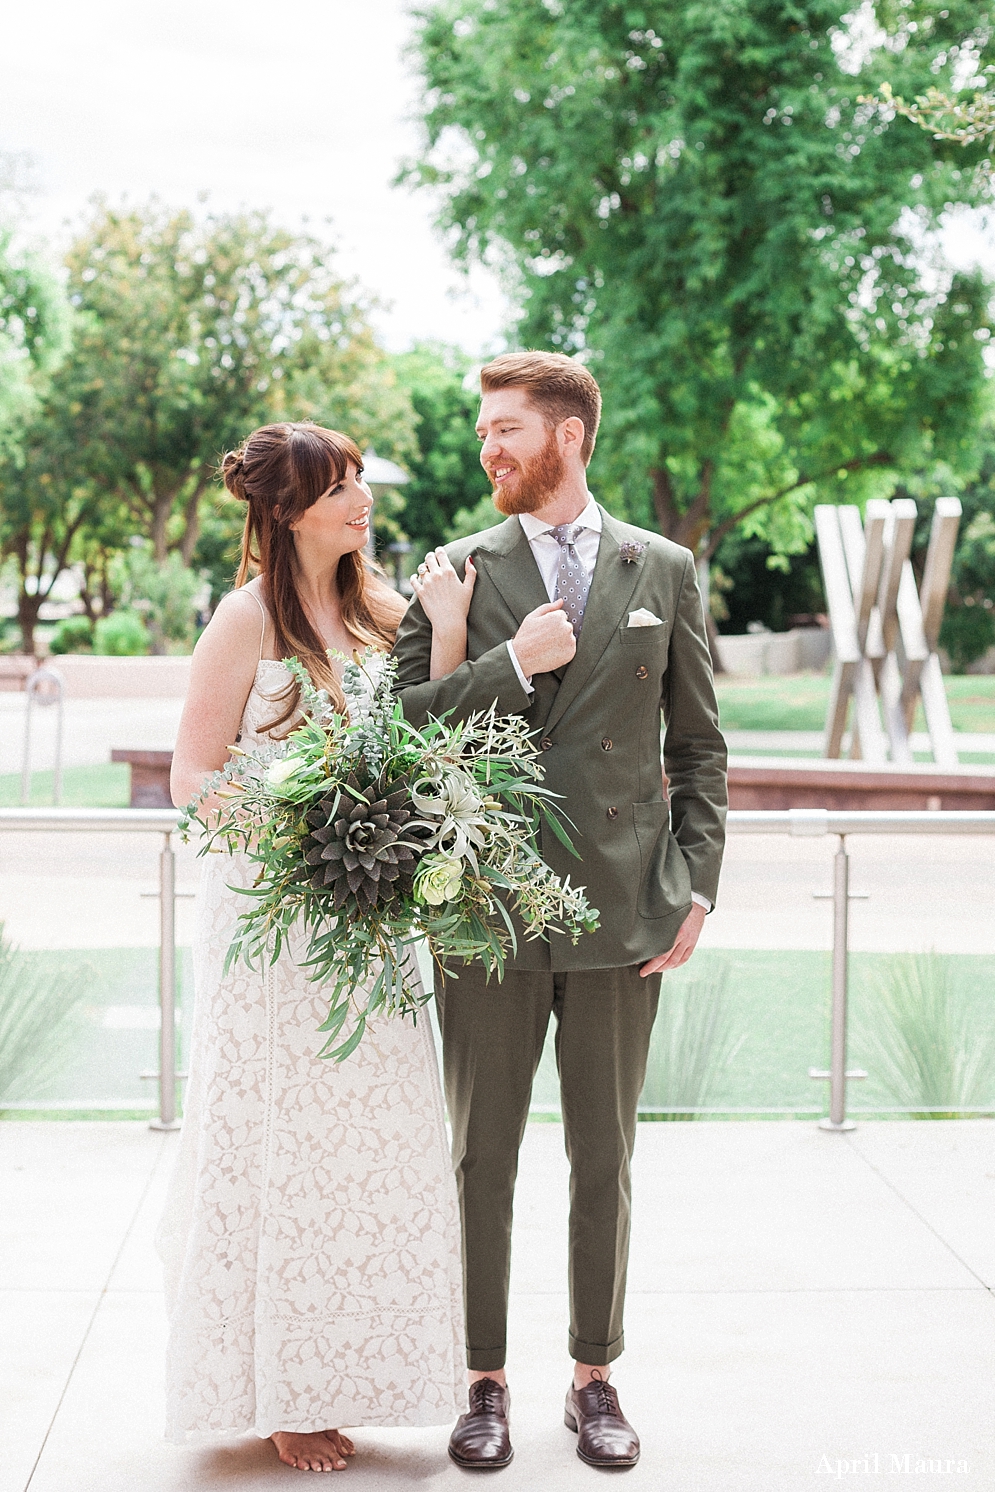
538, 479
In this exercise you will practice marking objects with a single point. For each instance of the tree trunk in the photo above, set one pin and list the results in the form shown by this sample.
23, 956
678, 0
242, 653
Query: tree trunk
191, 529
689, 528
161, 507
28, 607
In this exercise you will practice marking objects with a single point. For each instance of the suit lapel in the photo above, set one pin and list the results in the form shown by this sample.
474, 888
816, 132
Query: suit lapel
612, 585
509, 562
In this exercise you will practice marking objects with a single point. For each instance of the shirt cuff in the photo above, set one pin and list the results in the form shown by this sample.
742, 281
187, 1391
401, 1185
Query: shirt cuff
701, 901
525, 683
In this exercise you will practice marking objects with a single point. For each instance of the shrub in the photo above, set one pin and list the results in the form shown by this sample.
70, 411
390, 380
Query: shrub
919, 1041
36, 1010
165, 594
74, 634
123, 634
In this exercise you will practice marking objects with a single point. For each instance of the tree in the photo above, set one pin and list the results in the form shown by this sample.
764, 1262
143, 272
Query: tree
969, 619
185, 336
445, 469
194, 332
692, 196
34, 332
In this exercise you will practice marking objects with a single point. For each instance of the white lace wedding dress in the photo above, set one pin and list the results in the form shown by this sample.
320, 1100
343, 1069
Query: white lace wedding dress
311, 1234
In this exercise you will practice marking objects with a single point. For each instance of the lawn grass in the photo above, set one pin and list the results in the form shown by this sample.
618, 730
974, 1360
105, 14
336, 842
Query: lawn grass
105, 785
798, 702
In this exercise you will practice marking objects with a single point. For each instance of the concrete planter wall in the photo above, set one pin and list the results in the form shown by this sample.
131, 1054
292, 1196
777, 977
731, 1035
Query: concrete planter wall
87, 677
756, 653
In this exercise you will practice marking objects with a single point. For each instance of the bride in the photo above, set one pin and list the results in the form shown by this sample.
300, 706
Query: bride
311, 1235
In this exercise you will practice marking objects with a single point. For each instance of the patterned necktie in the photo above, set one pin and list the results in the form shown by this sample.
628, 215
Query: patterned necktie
572, 580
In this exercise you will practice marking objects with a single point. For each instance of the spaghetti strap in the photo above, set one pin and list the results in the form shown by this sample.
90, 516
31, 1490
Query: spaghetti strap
262, 640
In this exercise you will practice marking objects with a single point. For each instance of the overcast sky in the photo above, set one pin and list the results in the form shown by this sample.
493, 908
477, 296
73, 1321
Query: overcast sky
305, 108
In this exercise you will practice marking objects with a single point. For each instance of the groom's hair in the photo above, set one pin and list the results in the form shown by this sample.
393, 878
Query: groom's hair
558, 386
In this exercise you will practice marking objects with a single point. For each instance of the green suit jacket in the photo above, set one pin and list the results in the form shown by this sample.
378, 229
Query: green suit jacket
598, 721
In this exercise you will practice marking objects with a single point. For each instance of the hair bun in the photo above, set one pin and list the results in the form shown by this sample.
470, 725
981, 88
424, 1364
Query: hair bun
233, 474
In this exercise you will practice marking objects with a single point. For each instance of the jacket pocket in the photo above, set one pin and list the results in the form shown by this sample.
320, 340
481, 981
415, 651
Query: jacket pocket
664, 882
648, 636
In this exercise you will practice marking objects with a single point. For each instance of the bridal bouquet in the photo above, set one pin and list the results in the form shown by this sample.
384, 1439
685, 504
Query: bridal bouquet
372, 835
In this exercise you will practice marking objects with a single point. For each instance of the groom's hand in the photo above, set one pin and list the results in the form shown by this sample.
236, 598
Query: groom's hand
684, 944
545, 640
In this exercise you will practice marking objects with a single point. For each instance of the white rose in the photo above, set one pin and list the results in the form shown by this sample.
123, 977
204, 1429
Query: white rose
279, 772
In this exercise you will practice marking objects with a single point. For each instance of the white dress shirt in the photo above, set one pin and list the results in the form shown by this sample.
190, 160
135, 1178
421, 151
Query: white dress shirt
546, 551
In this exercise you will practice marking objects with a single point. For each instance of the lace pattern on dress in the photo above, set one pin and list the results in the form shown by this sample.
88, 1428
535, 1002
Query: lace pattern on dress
311, 1235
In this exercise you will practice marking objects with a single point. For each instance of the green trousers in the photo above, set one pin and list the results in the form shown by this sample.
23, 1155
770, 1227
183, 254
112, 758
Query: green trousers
492, 1037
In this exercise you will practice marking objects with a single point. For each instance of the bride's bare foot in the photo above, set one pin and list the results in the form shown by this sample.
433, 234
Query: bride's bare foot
323, 1451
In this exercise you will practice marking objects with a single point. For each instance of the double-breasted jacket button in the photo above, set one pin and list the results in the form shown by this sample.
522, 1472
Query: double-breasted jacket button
642, 672
545, 743
613, 813
607, 743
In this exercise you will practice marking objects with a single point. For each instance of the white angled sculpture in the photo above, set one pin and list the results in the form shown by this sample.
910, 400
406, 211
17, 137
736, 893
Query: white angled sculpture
885, 632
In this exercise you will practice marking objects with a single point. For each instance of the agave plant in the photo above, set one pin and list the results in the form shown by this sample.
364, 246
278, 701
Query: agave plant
693, 1040
36, 1010
919, 1042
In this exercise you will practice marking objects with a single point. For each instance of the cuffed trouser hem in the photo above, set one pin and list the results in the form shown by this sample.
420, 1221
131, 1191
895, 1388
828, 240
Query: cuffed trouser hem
485, 1359
595, 1354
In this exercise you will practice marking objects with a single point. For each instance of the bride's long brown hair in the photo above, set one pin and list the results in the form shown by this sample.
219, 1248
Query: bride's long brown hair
279, 472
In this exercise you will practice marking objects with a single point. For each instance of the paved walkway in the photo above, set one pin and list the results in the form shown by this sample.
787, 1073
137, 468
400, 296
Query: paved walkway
802, 1307
92, 728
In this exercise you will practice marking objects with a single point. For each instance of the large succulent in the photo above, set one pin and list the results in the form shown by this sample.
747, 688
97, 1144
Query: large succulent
356, 845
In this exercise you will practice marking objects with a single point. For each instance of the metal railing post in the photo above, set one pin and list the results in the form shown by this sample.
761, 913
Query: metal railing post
40, 680
841, 968
839, 1074
167, 989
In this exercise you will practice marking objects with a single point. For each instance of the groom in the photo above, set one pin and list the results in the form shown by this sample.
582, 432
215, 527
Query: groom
592, 630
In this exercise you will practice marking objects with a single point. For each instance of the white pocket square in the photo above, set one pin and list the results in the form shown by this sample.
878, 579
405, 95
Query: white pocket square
644, 618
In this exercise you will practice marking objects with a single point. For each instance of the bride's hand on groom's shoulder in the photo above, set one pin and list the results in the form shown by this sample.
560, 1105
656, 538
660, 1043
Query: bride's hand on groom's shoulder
444, 597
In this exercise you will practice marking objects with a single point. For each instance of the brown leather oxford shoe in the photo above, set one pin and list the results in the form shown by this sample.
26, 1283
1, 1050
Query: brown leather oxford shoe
481, 1440
604, 1435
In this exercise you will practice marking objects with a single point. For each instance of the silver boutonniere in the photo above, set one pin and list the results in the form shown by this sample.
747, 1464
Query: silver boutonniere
630, 551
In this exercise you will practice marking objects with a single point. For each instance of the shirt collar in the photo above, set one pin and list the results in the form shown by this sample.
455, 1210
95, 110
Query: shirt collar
534, 527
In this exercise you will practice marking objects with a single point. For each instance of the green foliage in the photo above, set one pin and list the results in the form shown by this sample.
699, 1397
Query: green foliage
757, 585
446, 475
969, 620
36, 1013
467, 521
74, 634
186, 335
123, 634
34, 334
163, 594
191, 333
693, 196
918, 1038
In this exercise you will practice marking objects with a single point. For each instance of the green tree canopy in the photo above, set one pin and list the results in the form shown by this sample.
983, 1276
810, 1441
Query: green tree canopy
191, 333
445, 469
693, 196
186, 335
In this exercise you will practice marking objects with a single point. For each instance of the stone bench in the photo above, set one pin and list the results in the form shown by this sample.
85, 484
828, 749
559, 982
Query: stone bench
149, 777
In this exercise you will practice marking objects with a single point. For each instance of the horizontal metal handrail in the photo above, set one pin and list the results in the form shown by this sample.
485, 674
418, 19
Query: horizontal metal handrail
803, 822
93, 820
798, 822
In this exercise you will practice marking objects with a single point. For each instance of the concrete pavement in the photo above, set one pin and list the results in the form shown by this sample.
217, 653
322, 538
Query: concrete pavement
803, 1307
